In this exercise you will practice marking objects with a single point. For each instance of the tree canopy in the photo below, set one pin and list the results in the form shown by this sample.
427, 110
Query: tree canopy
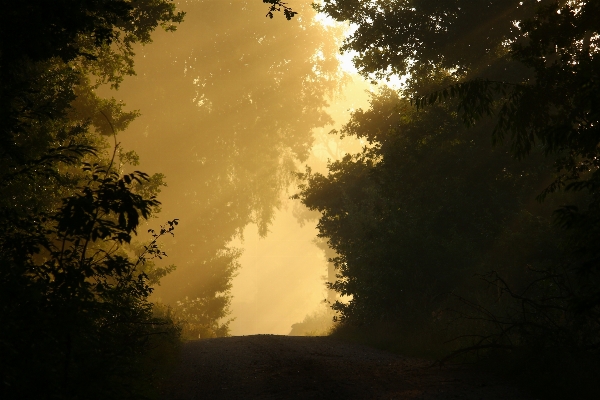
228, 114
420, 211
74, 309
429, 202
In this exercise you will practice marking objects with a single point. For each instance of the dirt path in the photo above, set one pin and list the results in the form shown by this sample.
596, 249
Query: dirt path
285, 367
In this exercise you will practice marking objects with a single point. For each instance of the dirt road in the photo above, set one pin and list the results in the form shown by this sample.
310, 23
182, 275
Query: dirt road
285, 367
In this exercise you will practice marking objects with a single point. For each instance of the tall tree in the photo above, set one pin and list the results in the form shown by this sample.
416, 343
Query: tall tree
420, 38
228, 111
420, 211
74, 305
532, 63
533, 67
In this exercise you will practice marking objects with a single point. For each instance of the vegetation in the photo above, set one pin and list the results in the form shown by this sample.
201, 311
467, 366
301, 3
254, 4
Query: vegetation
317, 323
76, 320
234, 101
74, 284
468, 226
447, 245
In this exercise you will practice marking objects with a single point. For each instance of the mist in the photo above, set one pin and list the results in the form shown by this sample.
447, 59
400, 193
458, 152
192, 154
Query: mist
232, 105
187, 187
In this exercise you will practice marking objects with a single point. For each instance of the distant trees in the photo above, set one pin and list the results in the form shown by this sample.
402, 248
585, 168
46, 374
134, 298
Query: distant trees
74, 310
229, 111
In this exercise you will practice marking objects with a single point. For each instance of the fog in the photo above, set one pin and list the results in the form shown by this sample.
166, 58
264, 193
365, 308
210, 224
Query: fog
231, 105
282, 276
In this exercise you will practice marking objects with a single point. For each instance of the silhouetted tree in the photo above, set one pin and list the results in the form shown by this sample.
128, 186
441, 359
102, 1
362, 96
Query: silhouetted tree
532, 66
76, 320
419, 211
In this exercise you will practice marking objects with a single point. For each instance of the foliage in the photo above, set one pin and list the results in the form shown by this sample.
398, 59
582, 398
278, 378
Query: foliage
318, 323
48, 49
200, 320
557, 110
538, 316
75, 310
206, 315
48, 108
415, 213
532, 66
558, 107
229, 110
277, 5
420, 37
41, 31
76, 320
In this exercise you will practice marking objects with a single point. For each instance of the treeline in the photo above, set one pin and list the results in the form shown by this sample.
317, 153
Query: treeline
468, 226
75, 319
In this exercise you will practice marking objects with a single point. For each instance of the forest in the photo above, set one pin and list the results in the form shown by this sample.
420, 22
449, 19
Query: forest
465, 230
468, 227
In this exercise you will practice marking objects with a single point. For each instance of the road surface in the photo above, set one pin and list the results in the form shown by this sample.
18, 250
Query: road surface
288, 367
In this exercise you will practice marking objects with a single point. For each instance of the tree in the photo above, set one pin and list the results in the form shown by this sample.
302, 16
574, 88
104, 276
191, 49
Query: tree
50, 115
419, 211
556, 109
74, 305
46, 49
532, 66
420, 38
547, 99
229, 111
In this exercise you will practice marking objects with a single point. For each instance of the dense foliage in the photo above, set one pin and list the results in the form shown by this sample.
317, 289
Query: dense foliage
74, 285
421, 210
74, 310
430, 203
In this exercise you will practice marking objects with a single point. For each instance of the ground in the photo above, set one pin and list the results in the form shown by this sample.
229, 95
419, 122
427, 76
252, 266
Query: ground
286, 367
